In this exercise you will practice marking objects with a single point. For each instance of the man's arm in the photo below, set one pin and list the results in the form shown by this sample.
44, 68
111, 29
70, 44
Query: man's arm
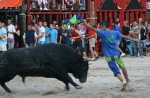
24, 39
89, 26
56, 38
90, 36
130, 33
129, 38
41, 35
60, 39
80, 36
137, 32
13, 30
64, 34
18, 32
35, 37
147, 37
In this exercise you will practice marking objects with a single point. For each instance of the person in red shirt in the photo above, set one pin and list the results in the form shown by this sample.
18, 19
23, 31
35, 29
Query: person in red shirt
92, 41
76, 40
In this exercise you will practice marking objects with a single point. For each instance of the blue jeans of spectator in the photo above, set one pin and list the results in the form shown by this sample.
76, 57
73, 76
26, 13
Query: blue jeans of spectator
11, 44
84, 44
129, 46
84, 4
41, 42
137, 47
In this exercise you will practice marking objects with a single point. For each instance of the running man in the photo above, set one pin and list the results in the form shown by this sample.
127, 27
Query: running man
111, 52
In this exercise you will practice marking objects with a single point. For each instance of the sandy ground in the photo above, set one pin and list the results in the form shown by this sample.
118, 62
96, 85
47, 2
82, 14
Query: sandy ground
100, 83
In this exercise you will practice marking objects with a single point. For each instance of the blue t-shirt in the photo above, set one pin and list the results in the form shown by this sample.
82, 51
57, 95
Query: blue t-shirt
117, 28
66, 40
53, 34
3, 31
109, 38
47, 30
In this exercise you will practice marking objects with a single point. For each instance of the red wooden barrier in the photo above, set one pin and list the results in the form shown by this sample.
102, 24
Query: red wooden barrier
122, 14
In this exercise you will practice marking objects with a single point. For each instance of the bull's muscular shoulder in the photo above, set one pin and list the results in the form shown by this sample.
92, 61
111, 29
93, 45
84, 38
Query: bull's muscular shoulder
47, 50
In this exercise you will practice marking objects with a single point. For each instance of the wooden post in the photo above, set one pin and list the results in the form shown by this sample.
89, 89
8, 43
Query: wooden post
22, 23
92, 14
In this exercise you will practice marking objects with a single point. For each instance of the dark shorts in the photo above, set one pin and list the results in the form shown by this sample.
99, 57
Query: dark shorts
113, 61
59, 1
78, 44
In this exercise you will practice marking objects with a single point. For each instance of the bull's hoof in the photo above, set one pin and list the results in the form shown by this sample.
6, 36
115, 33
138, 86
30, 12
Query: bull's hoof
78, 87
9, 92
66, 89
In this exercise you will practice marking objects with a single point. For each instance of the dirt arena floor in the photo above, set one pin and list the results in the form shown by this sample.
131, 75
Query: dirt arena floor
100, 83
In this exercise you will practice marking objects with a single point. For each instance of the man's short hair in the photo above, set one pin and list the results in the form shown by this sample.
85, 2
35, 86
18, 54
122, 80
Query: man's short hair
143, 23
105, 23
116, 22
1, 21
30, 24
72, 25
40, 21
52, 24
135, 21
44, 21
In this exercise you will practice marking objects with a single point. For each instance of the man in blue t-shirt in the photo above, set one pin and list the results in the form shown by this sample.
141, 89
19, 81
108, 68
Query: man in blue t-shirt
53, 34
47, 29
111, 52
3, 38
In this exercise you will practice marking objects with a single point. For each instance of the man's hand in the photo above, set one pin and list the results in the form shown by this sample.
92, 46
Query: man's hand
84, 20
131, 32
137, 40
2, 36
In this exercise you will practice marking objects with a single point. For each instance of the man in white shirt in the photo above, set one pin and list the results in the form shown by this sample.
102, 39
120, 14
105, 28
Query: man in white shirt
3, 38
41, 34
11, 31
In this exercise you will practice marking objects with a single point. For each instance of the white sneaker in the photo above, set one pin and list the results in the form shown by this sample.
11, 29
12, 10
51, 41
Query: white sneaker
129, 81
46, 8
41, 9
123, 54
93, 59
124, 86
141, 56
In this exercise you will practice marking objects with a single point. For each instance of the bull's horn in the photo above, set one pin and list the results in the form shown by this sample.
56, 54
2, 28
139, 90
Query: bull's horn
86, 59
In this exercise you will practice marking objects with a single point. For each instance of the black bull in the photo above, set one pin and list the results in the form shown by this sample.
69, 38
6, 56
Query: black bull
49, 60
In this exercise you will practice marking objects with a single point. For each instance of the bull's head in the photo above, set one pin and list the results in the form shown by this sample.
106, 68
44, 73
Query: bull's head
81, 70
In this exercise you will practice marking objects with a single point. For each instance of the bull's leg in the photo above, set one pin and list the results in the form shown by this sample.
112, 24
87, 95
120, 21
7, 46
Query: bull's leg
67, 88
73, 83
67, 79
6, 78
5, 88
